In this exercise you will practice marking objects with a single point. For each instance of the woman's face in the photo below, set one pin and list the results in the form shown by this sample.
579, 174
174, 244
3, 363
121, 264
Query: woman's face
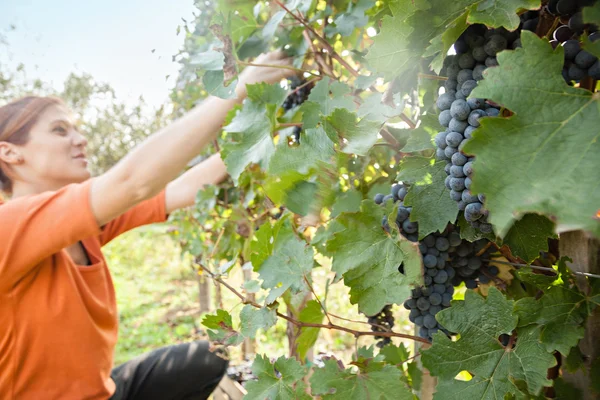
55, 154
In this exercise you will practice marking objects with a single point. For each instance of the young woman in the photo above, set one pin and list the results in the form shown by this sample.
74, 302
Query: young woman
58, 316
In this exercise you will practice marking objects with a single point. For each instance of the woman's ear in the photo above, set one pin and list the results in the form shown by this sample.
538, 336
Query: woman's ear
9, 154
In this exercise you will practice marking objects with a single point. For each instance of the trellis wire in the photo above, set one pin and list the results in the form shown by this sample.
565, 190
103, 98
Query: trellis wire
542, 268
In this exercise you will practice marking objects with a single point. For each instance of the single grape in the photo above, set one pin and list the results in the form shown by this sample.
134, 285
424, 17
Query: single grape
378, 198
456, 125
478, 72
446, 299
429, 261
474, 117
459, 159
449, 151
409, 227
457, 184
464, 75
468, 87
468, 168
456, 171
433, 310
479, 54
442, 244
429, 321
566, 7
576, 73
460, 109
468, 134
402, 214
445, 117
468, 197
473, 211
470, 284
563, 33
594, 70
455, 195
466, 61
571, 49
445, 101
495, 44
584, 60
441, 277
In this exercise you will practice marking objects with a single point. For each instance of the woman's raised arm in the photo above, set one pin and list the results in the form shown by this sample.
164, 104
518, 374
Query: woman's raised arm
145, 171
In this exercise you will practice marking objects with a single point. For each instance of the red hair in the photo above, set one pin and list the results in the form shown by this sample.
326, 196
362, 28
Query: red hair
16, 120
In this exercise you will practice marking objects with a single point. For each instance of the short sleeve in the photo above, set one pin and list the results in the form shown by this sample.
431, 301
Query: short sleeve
35, 227
147, 212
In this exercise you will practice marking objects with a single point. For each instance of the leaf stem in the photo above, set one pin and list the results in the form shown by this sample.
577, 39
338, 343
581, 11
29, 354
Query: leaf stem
301, 324
276, 66
325, 43
318, 300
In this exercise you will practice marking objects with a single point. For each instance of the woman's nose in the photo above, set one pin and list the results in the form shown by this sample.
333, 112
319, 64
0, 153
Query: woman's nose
80, 140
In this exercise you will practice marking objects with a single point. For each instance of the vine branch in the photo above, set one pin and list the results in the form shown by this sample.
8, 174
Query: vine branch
325, 43
301, 324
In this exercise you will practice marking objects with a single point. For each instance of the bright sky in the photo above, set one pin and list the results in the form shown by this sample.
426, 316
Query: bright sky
110, 39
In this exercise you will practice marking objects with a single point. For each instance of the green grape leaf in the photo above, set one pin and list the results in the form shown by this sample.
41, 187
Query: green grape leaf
418, 140
551, 138
391, 54
428, 196
314, 146
369, 259
346, 202
345, 23
414, 169
591, 15
263, 242
269, 386
220, 328
287, 268
331, 95
561, 311
495, 369
313, 314
374, 110
251, 128
270, 27
528, 236
356, 136
211, 60
213, 84
395, 354
299, 198
496, 13
376, 381
252, 319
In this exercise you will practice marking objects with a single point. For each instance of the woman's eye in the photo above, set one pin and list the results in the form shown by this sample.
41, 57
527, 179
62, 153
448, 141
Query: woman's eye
60, 130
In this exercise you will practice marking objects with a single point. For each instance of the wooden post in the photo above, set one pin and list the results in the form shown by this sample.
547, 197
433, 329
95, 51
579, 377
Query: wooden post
203, 293
584, 250
428, 382
249, 345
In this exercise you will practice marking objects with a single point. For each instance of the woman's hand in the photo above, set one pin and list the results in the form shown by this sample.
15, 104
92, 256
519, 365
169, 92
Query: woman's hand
254, 74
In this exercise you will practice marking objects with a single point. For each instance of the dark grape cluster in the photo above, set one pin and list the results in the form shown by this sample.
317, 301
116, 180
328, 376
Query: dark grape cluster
468, 262
579, 63
297, 97
444, 256
382, 322
409, 229
460, 114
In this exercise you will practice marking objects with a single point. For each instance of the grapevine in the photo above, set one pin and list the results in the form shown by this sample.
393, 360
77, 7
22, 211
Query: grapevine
416, 163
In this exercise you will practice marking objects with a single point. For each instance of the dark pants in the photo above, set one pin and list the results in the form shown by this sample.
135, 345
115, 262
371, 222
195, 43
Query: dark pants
188, 371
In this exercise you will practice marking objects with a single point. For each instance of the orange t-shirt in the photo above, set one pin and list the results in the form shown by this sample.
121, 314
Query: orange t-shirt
58, 320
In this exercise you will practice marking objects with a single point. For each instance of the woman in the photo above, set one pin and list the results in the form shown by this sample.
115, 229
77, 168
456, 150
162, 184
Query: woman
58, 316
